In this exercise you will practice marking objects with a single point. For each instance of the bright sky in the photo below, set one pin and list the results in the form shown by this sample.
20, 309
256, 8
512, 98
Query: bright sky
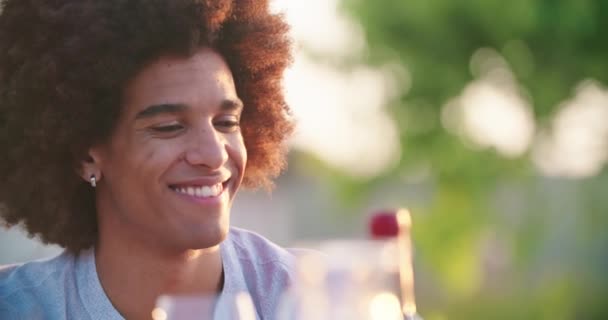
577, 145
491, 111
340, 115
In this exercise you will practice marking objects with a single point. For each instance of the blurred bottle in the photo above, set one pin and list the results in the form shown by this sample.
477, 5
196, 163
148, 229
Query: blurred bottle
350, 279
393, 226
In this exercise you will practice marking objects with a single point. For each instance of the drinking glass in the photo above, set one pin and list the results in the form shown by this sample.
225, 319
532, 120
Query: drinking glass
345, 279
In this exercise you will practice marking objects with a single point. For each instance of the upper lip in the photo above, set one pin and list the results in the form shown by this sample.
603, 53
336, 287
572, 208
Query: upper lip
200, 181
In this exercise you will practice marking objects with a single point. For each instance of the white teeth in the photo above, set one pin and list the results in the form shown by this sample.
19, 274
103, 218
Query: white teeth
206, 191
201, 191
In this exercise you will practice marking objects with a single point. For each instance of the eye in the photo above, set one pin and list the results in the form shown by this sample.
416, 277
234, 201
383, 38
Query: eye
227, 124
168, 128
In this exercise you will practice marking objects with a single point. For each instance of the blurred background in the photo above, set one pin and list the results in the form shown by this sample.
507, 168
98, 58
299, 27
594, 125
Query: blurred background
487, 118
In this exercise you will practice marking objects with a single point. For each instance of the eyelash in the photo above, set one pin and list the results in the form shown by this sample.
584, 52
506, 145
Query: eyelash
169, 128
229, 124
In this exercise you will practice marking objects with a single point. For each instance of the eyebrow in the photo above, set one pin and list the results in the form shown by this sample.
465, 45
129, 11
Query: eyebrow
231, 104
163, 108
172, 108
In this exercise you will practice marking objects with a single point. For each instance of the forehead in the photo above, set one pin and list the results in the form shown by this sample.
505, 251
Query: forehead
203, 78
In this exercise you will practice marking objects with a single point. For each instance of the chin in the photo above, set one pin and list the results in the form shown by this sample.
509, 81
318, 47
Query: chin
208, 238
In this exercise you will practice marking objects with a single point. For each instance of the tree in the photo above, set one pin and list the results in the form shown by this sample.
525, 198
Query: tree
550, 47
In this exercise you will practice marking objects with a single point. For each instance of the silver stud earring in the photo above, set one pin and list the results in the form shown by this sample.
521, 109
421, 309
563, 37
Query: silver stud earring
93, 181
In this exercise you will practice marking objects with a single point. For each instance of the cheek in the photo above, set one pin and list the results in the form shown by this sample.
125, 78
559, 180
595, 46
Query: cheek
238, 154
146, 159
159, 157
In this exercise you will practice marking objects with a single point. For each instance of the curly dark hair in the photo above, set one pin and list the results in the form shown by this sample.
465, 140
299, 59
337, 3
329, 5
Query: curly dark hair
64, 65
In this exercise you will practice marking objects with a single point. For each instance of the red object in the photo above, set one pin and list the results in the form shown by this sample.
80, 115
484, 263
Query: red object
384, 224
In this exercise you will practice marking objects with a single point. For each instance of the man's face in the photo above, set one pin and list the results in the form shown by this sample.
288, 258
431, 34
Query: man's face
176, 157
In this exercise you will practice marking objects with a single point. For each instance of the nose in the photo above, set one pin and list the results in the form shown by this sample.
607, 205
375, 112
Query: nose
207, 148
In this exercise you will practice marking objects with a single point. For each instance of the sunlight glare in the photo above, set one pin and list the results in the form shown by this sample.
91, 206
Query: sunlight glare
491, 111
159, 314
577, 145
385, 306
340, 114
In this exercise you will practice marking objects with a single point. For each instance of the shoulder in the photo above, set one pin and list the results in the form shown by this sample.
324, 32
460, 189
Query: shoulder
267, 269
254, 249
29, 288
31, 275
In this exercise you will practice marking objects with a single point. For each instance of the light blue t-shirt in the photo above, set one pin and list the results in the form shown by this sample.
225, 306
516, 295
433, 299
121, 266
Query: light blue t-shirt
67, 286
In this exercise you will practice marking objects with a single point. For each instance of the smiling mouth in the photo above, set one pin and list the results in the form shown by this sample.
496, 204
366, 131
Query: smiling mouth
200, 191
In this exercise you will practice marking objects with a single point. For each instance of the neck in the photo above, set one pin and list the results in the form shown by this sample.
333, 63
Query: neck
134, 274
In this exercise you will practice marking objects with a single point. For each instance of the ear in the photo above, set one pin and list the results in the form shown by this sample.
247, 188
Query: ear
90, 166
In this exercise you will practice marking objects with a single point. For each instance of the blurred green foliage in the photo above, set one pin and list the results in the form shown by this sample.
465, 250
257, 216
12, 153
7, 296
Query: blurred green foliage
496, 240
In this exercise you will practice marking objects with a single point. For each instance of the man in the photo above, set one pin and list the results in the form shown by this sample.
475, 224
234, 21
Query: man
129, 127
